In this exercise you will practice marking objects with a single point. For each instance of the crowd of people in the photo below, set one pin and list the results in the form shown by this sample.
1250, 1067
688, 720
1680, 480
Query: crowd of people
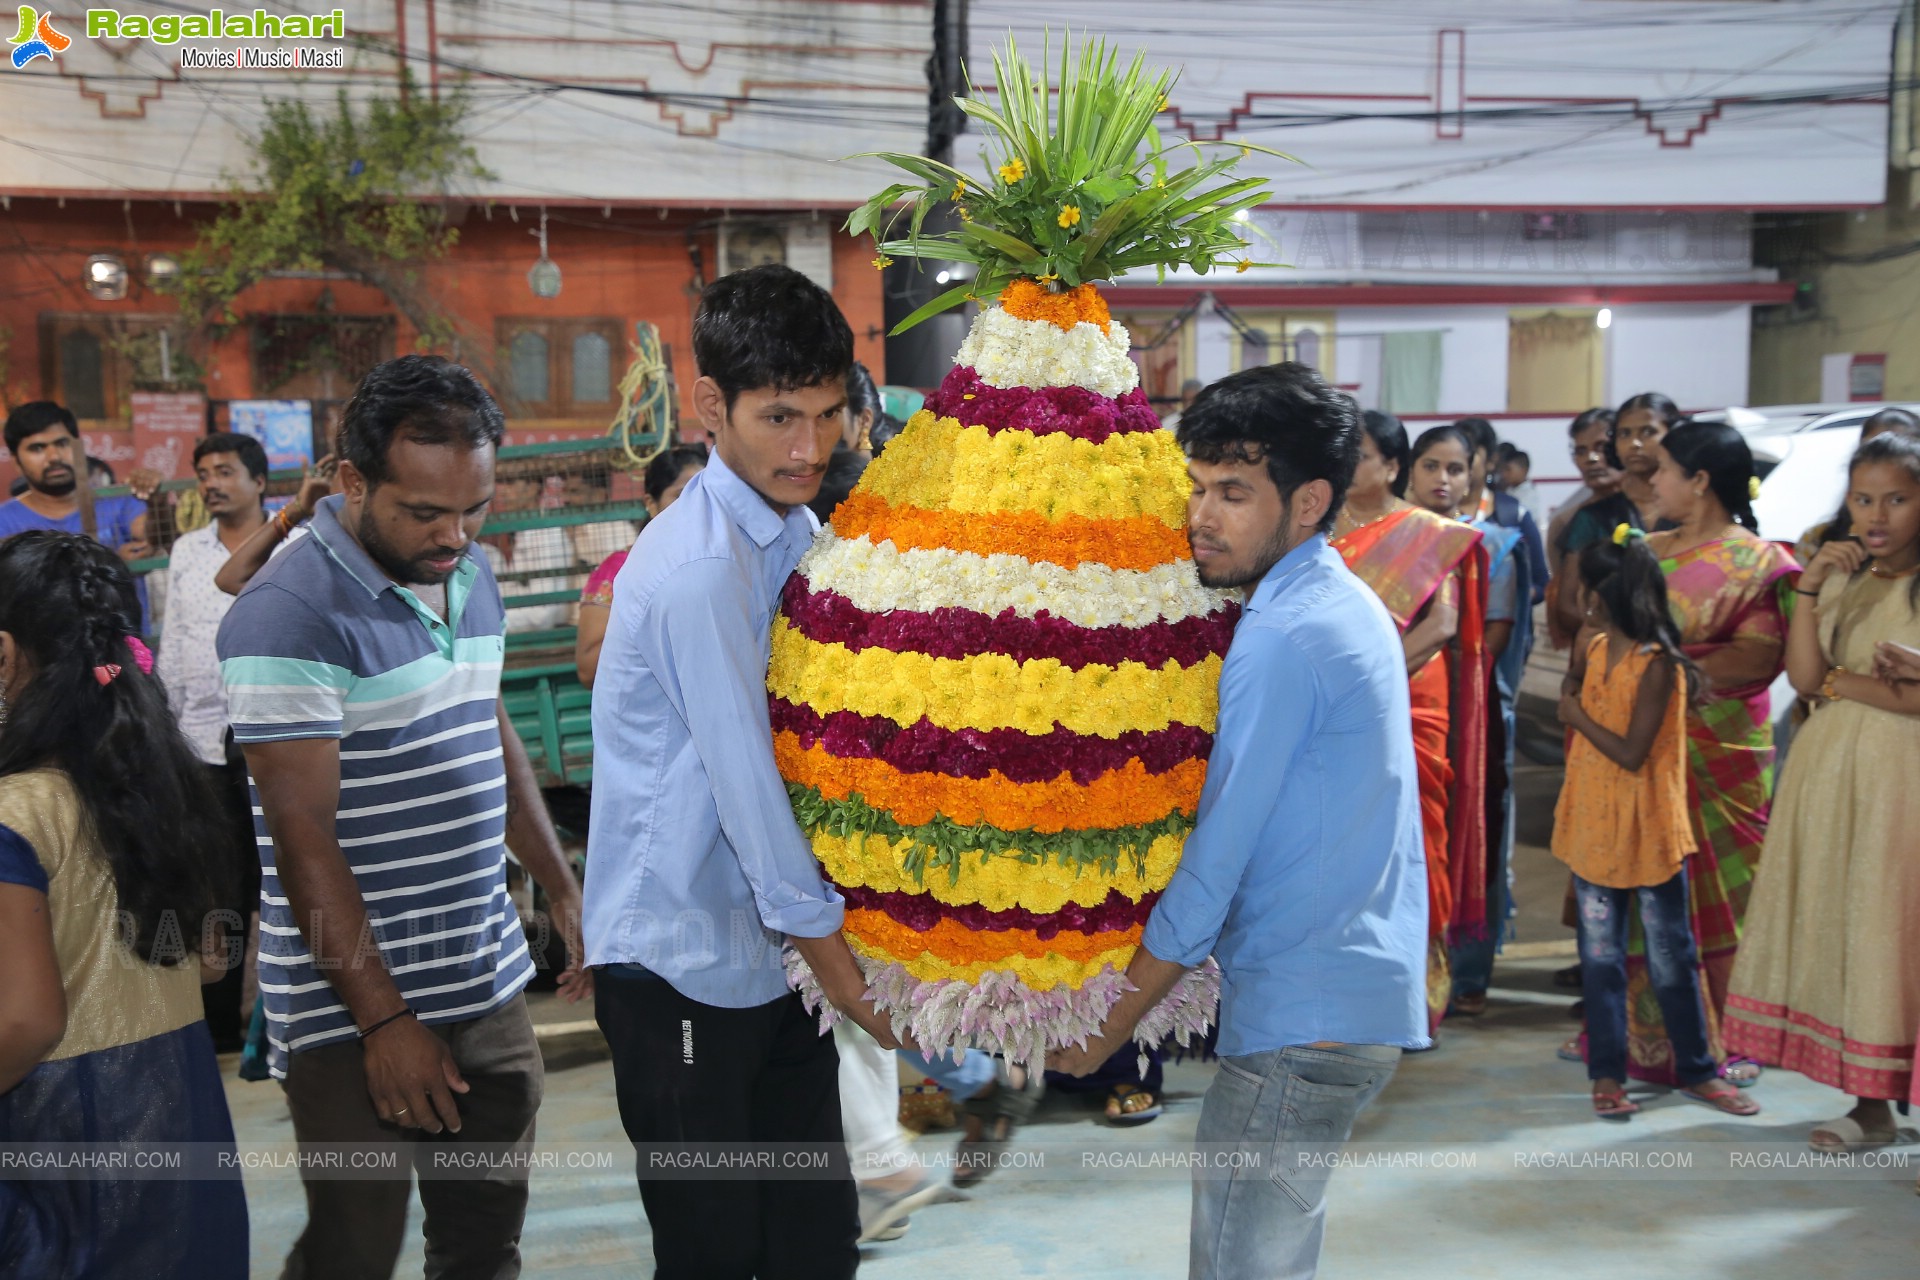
299, 815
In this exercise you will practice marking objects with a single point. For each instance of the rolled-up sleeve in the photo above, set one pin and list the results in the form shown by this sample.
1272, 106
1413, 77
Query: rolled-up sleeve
699, 636
1268, 707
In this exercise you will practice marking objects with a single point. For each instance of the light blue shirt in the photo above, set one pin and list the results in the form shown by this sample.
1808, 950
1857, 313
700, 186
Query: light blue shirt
1305, 875
695, 865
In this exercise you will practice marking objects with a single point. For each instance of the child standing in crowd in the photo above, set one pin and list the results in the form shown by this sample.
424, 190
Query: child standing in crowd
1622, 825
105, 820
1828, 979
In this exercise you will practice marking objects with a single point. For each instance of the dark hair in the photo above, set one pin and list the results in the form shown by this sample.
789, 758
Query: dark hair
1722, 453
1485, 439
428, 399
1898, 423
844, 468
1390, 438
1284, 415
1520, 456
35, 416
101, 467
1902, 448
252, 454
770, 326
69, 604
669, 464
1662, 408
885, 428
1429, 438
1582, 421
1629, 582
862, 395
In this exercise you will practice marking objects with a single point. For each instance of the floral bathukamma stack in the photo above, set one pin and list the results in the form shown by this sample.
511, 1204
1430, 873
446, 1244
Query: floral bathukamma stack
994, 676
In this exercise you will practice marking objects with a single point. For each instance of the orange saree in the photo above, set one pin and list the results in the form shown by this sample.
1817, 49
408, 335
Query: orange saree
1408, 558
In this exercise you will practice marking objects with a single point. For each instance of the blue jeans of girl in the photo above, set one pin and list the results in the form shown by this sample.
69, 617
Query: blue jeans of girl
1673, 967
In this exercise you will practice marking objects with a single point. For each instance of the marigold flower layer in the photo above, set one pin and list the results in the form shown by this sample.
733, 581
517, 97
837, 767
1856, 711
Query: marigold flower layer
997, 883
1141, 542
989, 691
831, 618
923, 911
943, 466
1124, 797
954, 943
1027, 299
924, 747
892, 943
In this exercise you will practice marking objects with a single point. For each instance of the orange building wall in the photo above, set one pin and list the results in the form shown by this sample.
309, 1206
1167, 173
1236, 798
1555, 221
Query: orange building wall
633, 265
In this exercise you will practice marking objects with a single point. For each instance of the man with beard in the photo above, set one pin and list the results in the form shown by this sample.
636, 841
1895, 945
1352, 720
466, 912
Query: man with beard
44, 439
362, 668
1305, 874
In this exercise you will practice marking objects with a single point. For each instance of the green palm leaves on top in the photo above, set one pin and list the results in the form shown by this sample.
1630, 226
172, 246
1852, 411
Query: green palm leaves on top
1079, 185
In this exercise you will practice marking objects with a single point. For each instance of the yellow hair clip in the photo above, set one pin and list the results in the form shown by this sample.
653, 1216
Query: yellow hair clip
1753, 488
1623, 531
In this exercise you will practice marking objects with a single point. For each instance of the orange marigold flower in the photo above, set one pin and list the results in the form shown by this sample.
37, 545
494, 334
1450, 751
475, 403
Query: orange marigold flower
1026, 300
952, 941
1140, 542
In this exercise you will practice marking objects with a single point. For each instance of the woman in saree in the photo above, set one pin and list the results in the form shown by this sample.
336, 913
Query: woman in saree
1429, 570
1729, 591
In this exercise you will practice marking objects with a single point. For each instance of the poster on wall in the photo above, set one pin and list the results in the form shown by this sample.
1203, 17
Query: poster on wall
166, 425
283, 427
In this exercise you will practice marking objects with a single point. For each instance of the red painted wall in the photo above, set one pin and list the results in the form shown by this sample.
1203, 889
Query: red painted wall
631, 266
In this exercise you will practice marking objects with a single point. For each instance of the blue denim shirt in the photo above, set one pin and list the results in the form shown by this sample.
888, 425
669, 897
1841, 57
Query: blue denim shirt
695, 865
1305, 875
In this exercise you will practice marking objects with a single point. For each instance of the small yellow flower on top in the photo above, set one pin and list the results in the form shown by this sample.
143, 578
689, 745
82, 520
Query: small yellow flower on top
1242, 265
882, 262
959, 188
964, 215
1069, 215
1013, 170
1165, 102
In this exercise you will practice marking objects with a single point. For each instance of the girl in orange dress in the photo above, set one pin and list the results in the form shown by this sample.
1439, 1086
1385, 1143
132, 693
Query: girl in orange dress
1623, 824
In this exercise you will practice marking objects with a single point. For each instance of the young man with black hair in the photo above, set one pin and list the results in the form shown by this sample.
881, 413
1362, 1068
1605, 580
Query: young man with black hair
44, 439
232, 475
363, 672
699, 874
1304, 876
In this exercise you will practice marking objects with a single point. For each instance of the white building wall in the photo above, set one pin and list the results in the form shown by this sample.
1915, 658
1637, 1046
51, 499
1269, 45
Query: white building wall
1698, 354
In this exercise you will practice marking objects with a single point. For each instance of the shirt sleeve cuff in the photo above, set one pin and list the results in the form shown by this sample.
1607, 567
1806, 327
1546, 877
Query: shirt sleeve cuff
19, 864
1159, 940
813, 919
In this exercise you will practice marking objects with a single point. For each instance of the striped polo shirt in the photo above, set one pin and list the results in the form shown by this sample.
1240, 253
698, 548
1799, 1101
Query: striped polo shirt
322, 644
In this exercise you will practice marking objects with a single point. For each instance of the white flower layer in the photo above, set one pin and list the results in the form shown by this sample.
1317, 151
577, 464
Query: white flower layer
879, 578
1007, 351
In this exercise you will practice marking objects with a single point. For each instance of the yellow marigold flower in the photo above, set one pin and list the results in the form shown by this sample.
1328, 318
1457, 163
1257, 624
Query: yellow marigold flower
1242, 265
882, 262
964, 215
1069, 216
1165, 102
1013, 170
959, 188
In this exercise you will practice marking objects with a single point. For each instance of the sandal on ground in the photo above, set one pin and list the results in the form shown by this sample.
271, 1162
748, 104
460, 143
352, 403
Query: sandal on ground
1567, 977
1129, 1104
1613, 1104
1835, 1137
1741, 1073
1722, 1097
1469, 1004
992, 1119
1570, 1051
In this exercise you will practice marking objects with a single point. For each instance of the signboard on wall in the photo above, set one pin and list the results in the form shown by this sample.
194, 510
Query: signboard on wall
283, 427
166, 424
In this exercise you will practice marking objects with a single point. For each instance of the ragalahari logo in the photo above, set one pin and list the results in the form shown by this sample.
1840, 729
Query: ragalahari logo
36, 38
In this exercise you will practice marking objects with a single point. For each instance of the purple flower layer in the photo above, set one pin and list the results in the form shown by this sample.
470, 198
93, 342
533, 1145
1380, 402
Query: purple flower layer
1064, 411
922, 911
924, 747
830, 618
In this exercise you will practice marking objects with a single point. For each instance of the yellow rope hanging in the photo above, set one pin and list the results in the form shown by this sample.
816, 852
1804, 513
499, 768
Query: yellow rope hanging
646, 406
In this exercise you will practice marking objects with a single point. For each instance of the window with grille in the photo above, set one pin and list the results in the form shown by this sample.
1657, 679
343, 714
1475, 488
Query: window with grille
559, 369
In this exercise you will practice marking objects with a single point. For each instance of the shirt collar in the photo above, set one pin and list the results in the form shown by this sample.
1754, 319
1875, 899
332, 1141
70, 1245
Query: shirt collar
755, 516
1280, 576
347, 552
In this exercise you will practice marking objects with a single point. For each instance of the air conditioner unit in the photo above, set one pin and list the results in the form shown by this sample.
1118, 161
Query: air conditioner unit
805, 244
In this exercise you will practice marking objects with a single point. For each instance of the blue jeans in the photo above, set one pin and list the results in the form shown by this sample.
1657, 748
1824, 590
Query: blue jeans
1673, 967
962, 1079
1283, 1112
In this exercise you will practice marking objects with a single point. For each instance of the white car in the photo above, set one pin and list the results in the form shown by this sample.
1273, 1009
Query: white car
1801, 452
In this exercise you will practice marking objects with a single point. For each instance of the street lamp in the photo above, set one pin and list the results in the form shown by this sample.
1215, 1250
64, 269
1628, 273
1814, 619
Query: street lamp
1603, 319
106, 278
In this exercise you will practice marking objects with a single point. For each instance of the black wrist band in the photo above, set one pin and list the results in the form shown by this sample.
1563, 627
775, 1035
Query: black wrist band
1802, 592
392, 1017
